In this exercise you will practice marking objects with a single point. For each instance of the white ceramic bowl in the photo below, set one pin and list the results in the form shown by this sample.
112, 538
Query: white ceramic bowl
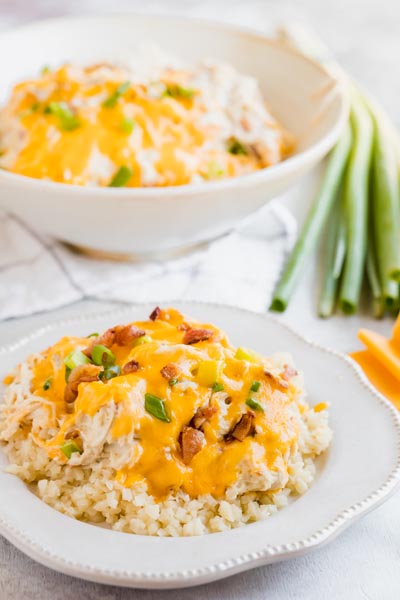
139, 221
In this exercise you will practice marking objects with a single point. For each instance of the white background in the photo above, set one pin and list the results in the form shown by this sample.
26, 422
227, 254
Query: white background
364, 561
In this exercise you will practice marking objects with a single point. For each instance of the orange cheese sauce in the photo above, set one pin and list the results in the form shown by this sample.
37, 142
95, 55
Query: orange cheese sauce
165, 142
156, 451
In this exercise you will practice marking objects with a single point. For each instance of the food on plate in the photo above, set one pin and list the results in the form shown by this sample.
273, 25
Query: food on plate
161, 427
154, 122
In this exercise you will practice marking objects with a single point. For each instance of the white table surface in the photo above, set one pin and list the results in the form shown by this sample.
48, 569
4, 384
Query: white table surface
363, 563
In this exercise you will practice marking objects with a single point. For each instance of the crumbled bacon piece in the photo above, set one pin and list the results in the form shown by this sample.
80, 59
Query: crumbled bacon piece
243, 428
170, 371
72, 434
80, 374
288, 372
155, 314
192, 441
202, 415
125, 334
106, 339
192, 336
130, 367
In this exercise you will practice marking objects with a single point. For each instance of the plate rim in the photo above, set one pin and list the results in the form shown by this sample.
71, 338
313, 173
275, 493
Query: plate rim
270, 553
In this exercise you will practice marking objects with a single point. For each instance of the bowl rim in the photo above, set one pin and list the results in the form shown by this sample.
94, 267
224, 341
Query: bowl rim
315, 151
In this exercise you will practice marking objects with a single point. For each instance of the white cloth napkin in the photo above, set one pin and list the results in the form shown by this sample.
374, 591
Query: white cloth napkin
241, 269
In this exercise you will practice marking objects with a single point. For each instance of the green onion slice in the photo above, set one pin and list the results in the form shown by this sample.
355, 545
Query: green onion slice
254, 404
120, 91
121, 177
94, 335
255, 386
67, 119
143, 339
217, 387
235, 147
68, 448
156, 407
111, 372
173, 382
47, 384
75, 358
178, 91
101, 355
127, 125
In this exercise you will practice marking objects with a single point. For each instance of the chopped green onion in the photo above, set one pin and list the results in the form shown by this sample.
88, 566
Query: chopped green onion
47, 384
75, 358
143, 339
214, 170
120, 91
217, 387
68, 448
235, 147
255, 386
254, 404
247, 354
178, 91
111, 372
94, 335
156, 407
173, 382
44, 70
127, 125
67, 119
121, 177
101, 355
67, 373
32, 109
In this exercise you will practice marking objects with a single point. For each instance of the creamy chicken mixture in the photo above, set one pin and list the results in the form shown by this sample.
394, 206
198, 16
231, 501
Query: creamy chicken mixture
156, 122
166, 404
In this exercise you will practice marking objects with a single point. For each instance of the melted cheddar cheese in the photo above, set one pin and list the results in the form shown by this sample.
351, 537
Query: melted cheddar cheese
82, 125
155, 446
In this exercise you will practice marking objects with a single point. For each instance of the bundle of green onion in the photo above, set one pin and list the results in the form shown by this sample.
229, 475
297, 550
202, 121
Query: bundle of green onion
358, 209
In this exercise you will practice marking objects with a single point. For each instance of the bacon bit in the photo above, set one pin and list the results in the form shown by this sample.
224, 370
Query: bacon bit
277, 380
106, 339
72, 434
131, 367
243, 428
202, 415
170, 371
288, 372
81, 374
192, 336
155, 314
228, 400
125, 334
183, 326
192, 441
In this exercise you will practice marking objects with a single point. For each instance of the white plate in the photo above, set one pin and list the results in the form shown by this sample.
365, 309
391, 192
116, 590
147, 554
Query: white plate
361, 469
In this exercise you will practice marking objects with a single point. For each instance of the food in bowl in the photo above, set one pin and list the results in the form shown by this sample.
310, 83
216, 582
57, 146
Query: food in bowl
156, 122
161, 427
